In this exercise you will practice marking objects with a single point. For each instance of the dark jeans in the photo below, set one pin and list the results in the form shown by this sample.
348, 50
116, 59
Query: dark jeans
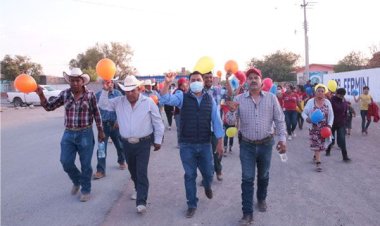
252, 155
226, 138
138, 158
363, 114
217, 159
195, 156
291, 121
112, 132
169, 114
300, 120
81, 142
341, 139
177, 119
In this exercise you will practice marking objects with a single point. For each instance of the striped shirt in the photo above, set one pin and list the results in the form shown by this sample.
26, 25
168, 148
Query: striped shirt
78, 114
256, 119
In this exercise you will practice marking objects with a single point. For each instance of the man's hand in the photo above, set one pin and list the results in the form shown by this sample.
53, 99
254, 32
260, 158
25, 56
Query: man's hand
101, 135
107, 85
39, 91
308, 120
156, 147
228, 75
169, 77
281, 147
219, 148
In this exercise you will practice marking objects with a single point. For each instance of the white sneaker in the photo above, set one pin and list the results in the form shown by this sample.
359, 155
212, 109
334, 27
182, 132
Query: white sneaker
141, 209
170, 128
290, 137
134, 195
294, 134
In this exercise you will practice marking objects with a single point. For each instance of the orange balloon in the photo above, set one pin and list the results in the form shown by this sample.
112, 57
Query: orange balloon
154, 98
219, 74
231, 66
106, 68
25, 83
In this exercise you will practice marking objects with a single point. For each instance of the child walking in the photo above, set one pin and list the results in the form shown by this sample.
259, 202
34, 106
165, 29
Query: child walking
350, 114
229, 120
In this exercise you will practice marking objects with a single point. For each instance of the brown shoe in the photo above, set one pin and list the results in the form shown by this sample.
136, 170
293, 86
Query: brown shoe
262, 205
98, 175
208, 193
84, 197
75, 189
190, 212
247, 219
219, 176
122, 166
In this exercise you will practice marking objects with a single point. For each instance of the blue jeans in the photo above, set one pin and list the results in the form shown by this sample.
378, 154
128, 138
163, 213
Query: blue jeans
291, 121
193, 156
81, 142
110, 131
363, 114
138, 159
250, 156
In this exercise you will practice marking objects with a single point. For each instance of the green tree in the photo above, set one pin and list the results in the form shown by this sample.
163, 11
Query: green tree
11, 67
120, 54
278, 66
352, 62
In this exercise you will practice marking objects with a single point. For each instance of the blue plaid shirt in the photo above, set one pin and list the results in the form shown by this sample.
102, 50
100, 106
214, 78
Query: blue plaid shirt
108, 115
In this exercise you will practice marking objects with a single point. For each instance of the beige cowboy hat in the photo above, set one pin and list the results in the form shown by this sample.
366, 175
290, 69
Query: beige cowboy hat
148, 82
130, 83
76, 72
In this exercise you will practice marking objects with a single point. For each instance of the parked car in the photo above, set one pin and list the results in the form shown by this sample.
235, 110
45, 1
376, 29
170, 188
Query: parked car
21, 99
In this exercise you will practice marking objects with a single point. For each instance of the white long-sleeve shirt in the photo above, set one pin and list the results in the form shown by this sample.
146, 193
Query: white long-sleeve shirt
137, 122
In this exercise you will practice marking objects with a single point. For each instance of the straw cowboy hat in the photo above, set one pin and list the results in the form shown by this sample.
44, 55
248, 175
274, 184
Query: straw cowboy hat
77, 72
130, 83
148, 82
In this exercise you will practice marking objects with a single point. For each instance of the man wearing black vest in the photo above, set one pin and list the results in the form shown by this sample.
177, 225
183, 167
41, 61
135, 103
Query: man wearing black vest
198, 113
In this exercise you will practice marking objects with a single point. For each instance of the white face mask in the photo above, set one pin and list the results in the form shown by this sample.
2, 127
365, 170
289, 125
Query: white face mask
196, 87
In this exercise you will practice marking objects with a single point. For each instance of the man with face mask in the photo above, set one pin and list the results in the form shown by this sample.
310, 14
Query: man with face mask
198, 113
257, 111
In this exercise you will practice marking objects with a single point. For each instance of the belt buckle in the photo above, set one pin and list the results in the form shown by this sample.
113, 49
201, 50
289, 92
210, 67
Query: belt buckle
133, 140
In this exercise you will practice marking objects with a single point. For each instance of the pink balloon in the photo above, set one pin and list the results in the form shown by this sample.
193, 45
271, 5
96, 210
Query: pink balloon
267, 84
241, 77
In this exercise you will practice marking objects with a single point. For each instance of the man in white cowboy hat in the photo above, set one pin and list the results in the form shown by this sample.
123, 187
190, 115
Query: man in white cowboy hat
140, 125
80, 111
111, 130
148, 88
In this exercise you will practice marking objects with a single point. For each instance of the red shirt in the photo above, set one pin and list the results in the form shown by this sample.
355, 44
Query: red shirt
290, 101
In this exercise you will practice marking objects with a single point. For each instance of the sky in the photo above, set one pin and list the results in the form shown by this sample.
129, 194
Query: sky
167, 35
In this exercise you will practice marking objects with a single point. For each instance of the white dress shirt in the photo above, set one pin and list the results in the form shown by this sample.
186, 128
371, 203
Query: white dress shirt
137, 122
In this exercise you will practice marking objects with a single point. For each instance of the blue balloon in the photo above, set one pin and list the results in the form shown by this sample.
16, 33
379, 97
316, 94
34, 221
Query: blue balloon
273, 89
316, 116
309, 91
234, 83
354, 92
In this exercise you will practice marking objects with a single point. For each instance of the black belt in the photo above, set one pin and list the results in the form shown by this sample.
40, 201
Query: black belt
79, 128
262, 141
133, 140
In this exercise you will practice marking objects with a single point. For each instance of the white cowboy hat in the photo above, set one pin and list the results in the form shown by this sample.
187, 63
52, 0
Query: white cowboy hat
148, 82
130, 83
77, 72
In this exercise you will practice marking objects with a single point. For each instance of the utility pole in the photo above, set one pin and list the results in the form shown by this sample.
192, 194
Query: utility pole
306, 72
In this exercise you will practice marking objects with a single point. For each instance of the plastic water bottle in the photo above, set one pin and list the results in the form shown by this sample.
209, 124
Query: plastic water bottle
101, 150
283, 157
